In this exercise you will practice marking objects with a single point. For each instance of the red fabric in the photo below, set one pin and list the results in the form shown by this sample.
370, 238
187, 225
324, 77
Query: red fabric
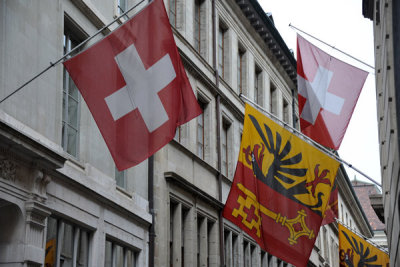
347, 82
97, 75
332, 211
274, 236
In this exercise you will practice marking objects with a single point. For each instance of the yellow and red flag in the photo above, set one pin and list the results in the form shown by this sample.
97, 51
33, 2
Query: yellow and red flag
332, 210
356, 251
280, 190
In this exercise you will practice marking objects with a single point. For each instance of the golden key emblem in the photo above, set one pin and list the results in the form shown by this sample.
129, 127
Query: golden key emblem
251, 201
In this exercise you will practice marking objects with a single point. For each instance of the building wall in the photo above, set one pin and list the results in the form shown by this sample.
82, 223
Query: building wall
385, 15
76, 203
52, 196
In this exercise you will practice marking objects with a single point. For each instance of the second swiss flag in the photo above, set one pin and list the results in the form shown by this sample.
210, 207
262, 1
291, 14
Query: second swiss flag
328, 92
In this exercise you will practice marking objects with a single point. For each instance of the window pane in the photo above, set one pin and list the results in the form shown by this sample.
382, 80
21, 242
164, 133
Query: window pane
200, 150
122, 6
119, 256
51, 242
72, 89
120, 178
83, 249
67, 246
63, 109
197, 25
108, 256
73, 112
172, 12
71, 140
130, 258
70, 103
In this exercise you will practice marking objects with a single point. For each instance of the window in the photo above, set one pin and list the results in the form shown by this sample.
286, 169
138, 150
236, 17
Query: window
179, 232
212, 244
199, 238
221, 51
119, 256
341, 213
257, 87
198, 24
66, 244
246, 254
263, 258
272, 99
326, 244
120, 178
240, 70
172, 209
225, 148
231, 248
178, 133
172, 12
121, 6
71, 98
253, 254
200, 130
286, 117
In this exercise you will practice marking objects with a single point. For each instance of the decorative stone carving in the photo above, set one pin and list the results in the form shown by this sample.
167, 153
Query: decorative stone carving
8, 169
41, 180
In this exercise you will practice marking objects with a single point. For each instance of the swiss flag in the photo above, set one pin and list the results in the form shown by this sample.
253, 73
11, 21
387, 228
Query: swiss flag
328, 92
135, 86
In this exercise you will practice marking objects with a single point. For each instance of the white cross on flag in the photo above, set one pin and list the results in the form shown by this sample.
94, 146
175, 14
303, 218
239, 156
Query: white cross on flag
135, 86
328, 91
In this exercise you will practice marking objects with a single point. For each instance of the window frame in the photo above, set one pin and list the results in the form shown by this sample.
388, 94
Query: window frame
240, 70
257, 84
197, 25
221, 50
123, 8
60, 240
120, 175
201, 118
68, 39
125, 254
172, 12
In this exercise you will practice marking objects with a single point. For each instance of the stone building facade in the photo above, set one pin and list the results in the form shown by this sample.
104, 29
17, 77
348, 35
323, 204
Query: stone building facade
62, 201
386, 20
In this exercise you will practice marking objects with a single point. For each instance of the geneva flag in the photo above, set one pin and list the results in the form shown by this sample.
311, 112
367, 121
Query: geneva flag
135, 86
328, 92
356, 251
280, 190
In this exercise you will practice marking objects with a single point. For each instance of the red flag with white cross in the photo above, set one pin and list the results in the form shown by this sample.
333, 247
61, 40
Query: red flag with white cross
135, 86
328, 91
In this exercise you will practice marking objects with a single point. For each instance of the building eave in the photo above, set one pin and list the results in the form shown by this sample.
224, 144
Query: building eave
270, 35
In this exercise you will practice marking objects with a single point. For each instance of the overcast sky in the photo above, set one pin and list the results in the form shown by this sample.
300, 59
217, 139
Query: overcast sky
341, 24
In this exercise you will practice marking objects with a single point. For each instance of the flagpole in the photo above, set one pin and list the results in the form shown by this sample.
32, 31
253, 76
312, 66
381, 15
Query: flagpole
69, 53
303, 136
382, 248
325, 43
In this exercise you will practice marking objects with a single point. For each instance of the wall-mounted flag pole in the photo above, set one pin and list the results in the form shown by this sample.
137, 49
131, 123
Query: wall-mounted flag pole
333, 47
280, 190
354, 250
328, 90
135, 86
61, 59
305, 137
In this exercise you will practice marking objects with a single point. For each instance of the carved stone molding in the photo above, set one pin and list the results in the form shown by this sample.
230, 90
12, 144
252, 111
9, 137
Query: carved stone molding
40, 182
35, 230
8, 169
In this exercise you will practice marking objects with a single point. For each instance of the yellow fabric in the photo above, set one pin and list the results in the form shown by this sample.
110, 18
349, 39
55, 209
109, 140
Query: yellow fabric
312, 159
50, 257
355, 251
